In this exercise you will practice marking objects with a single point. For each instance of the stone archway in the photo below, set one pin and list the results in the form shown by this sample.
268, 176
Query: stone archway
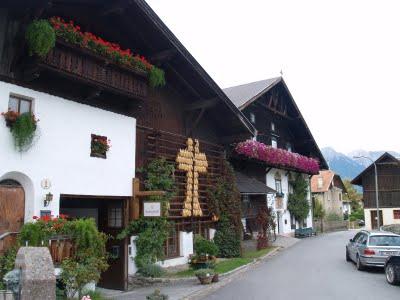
12, 206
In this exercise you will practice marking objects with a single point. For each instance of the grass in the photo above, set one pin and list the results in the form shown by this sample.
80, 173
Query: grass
229, 264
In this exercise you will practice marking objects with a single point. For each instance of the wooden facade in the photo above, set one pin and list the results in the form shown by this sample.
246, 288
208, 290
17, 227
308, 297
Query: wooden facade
190, 105
388, 183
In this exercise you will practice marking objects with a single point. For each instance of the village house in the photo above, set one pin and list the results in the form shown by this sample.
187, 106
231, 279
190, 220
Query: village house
388, 169
328, 188
95, 121
282, 148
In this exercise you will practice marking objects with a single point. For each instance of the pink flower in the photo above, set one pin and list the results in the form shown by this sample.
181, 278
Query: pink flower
277, 157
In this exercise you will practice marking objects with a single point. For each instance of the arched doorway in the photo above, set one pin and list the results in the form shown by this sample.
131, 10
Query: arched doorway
12, 206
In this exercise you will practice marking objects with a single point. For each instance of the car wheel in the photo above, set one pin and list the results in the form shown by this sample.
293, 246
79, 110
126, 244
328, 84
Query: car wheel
391, 274
359, 265
347, 255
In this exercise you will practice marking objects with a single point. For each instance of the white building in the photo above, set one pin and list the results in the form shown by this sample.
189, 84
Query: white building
271, 108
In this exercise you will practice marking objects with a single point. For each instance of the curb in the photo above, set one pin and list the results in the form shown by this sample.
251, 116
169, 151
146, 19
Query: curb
229, 276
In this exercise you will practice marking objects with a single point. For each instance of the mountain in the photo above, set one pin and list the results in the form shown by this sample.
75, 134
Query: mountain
345, 166
373, 154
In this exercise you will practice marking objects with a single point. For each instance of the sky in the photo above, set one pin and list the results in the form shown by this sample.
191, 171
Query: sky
339, 58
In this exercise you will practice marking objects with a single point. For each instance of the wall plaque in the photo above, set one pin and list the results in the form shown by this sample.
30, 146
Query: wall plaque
151, 209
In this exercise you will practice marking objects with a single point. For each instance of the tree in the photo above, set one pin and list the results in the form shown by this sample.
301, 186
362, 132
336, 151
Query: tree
352, 195
298, 204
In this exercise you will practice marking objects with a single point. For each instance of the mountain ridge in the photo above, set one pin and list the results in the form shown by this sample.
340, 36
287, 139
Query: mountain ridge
346, 165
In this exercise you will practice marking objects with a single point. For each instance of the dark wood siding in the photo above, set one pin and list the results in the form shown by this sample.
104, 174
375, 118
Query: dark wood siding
388, 187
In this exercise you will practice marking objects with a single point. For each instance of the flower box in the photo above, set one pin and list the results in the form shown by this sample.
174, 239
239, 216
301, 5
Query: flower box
277, 157
99, 146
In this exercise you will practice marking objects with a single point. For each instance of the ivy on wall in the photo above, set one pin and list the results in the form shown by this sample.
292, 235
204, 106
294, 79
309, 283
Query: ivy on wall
298, 204
225, 204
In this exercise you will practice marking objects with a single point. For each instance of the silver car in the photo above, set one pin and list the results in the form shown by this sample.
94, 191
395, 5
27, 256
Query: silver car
372, 248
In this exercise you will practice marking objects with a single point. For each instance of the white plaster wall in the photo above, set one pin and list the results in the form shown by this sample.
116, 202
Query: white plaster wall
387, 217
185, 248
285, 214
62, 151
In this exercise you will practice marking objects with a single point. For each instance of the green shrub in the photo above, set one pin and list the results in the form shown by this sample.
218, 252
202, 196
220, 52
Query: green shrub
357, 214
24, 131
40, 37
7, 262
227, 239
204, 247
156, 295
204, 273
33, 234
151, 270
298, 204
151, 236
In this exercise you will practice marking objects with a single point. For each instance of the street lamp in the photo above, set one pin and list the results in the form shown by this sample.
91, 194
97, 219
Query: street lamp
376, 188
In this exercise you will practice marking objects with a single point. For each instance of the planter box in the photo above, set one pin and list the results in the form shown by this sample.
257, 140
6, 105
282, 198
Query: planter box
83, 65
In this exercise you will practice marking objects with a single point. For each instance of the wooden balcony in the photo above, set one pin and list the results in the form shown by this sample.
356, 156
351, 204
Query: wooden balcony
96, 71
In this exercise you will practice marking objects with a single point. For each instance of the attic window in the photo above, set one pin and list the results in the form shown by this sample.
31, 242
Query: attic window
289, 147
272, 126
252, 118
320, 182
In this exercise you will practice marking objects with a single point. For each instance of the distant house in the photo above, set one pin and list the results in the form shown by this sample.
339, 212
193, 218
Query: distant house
328, 188
388, 168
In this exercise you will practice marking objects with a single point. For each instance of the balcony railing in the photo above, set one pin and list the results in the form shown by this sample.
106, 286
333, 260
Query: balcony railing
95, 70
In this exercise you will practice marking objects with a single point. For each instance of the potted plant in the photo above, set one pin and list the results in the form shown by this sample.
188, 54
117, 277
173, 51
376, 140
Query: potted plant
99, 146
206, 252
205, 275
10, 117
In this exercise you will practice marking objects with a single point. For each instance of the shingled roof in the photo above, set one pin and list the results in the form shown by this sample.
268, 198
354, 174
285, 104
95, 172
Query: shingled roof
243, 94
248, 185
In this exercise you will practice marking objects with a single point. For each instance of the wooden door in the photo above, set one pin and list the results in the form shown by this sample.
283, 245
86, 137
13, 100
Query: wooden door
374, 219
111, 223
12, 208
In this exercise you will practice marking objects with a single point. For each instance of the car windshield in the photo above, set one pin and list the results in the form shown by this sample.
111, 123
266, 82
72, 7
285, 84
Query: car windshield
384, 240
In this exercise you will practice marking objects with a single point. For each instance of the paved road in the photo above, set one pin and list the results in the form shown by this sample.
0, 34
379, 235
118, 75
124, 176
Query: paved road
314, 268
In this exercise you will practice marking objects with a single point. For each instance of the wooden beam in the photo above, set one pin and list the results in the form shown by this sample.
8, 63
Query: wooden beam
202, 104
117, 7
162, 56
196, 122
183, 80
134, 207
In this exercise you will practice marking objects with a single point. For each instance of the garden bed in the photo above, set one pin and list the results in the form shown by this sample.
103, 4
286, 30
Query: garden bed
226, 265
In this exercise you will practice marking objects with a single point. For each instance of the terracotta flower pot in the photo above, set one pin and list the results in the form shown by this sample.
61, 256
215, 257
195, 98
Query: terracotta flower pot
215, 278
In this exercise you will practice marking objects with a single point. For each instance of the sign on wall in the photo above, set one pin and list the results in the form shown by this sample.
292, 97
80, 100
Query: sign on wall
151, 209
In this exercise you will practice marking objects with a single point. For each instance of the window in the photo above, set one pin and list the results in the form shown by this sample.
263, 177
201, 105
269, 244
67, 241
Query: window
114, 216
45, 213
289, 147
396, 214
320, 182
99, 146
278, 186
252, 118
19, 104
274, 143
273, 126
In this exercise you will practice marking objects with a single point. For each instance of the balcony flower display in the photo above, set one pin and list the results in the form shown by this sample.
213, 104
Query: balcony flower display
277, 157
71, 33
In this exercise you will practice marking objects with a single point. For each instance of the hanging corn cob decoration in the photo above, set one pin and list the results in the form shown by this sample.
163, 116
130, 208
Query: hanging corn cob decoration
193, 162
